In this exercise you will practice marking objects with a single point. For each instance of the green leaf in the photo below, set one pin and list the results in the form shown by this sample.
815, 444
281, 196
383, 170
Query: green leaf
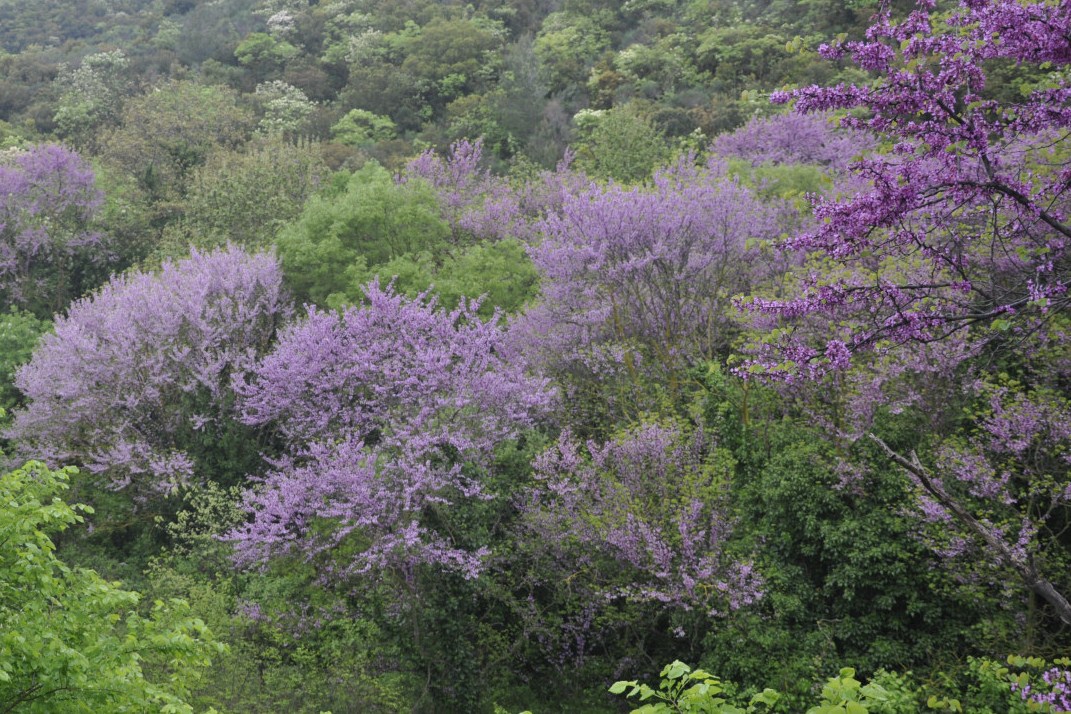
676, 670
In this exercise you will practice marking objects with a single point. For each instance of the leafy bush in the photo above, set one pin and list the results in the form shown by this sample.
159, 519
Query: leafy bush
71, 641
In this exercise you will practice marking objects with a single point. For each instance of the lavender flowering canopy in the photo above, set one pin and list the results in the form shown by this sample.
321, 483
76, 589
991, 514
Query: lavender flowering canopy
792, 139
391, 412
48, 200
138, 371
637, 281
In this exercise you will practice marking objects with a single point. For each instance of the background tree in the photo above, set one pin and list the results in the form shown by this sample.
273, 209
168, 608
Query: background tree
92, 96
353, 229
50, 250
171, 130
19, 333
619, 144
246, 196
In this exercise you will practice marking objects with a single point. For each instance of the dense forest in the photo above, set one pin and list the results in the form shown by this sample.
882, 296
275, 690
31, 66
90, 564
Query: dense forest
535, 355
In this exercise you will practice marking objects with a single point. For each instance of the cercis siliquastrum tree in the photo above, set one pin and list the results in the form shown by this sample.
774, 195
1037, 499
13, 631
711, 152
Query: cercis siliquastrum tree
49, 249
133, 385
637, 281
961, 238
391, 412
651, 499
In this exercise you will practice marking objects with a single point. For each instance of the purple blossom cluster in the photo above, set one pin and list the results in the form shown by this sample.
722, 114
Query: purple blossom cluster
473, 201
48, 200
965, 224
390, 411
651, 501
133, 369
1055, 694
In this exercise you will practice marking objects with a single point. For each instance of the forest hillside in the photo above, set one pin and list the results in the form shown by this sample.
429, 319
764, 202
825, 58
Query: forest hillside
535, 356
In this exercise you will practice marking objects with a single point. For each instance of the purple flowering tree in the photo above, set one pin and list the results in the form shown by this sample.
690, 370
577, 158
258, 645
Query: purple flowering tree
960, 241
391, 412
637, 523
793, 139
134, 383
49, 250
637, 281
652, 500
473, 201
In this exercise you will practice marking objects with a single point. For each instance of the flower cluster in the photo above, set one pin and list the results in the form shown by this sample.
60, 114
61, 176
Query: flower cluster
391, 412
136, 373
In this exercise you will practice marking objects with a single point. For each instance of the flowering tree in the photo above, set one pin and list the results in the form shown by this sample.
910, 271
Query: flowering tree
651, 499
636, 282
134, 383
472, 201
961, 239
965, 223
391, 413
48, 248
792, 139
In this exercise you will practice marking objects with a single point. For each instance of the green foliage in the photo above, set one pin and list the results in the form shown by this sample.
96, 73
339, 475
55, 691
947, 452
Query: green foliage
987, 686
259, 48
353, 229
91, 96
362, 128
984, 687
844, 694
367, 226
620, 144
685, 691
500, 272
567, 46
847, 580
790, 181
286, 109
294, 646
452, 57
71, 641
19, 332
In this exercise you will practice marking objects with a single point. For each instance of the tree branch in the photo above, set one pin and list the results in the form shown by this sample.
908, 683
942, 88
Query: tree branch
1024, 566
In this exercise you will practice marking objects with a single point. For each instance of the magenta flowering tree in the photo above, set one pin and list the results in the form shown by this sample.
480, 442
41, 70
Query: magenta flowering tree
637, 281
391, 412
965, 224
134, 383
959, 242
49, 250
